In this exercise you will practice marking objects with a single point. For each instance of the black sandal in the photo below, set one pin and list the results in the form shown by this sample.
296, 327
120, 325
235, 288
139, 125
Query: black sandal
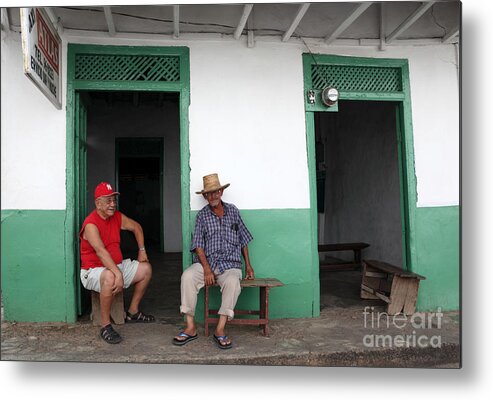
109, 335
223, 338
139, 317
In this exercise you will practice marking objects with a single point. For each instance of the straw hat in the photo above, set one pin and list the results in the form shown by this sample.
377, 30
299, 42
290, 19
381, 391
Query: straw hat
211, 184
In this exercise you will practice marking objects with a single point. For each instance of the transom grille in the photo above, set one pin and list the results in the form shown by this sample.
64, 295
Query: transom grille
99, 67
357, 79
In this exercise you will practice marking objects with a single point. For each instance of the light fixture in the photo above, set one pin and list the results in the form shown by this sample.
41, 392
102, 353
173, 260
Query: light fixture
330, 95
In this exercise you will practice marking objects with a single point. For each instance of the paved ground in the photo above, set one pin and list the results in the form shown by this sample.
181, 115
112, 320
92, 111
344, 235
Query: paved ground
338, 337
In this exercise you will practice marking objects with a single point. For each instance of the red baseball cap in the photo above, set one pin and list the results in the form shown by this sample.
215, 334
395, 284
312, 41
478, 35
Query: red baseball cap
104, 189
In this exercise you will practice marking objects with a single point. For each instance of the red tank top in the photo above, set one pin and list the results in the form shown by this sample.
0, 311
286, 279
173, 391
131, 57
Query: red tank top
109, 230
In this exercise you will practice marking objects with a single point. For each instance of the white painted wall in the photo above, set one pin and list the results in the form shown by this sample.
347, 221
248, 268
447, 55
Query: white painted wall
33, 138
250, 117
435, 103
246, 99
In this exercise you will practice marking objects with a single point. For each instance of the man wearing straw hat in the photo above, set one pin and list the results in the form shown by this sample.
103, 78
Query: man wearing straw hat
219, 240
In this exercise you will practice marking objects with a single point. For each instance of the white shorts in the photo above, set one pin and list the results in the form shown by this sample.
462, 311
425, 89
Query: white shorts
91, 278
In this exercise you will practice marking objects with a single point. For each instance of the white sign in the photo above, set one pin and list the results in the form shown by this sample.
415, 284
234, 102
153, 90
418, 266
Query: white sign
42, 53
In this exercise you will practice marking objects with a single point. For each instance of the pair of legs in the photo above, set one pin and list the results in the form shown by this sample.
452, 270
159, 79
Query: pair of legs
102, 280
192, 280
140, 281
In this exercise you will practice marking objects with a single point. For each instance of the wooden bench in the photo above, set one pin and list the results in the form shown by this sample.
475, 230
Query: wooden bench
263, 313
338, 264
117, 312
398, 288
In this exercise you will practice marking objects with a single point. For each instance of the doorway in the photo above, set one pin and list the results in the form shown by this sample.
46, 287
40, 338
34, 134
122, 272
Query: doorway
358, 192
341, 163
142, 77
358, 179
133, 142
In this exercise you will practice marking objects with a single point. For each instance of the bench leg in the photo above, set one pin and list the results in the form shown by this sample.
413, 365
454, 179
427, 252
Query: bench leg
206, 310
264, 308
357, 256
403, 296
371, 282
411, 296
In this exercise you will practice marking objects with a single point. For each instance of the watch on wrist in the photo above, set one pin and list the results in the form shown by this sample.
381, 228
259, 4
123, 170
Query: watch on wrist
142, 249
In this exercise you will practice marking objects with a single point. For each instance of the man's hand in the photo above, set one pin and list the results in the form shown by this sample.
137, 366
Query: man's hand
118, 285
209, 278
249, 274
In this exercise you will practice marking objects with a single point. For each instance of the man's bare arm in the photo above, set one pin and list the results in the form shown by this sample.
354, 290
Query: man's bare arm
249, 274
128, 224
209, 278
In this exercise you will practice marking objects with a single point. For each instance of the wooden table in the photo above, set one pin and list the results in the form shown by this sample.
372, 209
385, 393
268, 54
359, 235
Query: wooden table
263, 313
397, 287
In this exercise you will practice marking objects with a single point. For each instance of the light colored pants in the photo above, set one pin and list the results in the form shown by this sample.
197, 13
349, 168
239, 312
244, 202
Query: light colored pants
192, 280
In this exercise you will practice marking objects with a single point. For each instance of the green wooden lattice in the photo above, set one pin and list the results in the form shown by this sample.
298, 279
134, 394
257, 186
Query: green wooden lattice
100, 67
357, 78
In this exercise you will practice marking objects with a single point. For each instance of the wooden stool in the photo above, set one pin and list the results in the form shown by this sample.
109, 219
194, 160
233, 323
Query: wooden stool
117, 313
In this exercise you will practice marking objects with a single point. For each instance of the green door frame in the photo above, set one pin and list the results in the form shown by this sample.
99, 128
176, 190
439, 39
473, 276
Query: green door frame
405, 150
80, 137
118, 142
182, 87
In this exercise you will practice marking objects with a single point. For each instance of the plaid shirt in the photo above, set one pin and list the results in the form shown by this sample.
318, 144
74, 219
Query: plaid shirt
222, 238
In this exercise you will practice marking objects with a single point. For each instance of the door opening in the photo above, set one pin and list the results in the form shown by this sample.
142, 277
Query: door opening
148, 98
133, 142
358, 188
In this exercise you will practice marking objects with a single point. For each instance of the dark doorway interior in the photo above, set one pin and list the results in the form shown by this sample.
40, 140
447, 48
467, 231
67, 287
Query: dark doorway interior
358, 189
133, 142
139, 172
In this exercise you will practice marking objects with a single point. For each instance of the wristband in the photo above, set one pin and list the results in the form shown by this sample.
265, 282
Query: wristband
142, 249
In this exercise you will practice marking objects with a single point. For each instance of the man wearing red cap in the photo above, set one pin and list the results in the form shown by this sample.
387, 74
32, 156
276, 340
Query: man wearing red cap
102, 266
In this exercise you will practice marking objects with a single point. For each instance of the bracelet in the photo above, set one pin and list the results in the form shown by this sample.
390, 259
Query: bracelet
142, 249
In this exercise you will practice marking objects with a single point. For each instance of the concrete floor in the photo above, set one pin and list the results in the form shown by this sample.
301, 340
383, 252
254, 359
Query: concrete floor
338, 337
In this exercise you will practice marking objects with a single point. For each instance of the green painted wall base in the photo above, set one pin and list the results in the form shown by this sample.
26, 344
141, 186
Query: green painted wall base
33, 266
38, 285
437, 239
